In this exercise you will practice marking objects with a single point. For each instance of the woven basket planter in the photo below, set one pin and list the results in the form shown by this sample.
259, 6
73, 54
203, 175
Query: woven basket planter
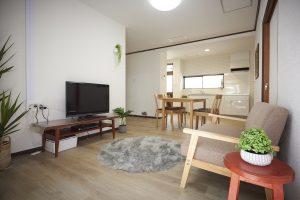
257, 159
5, 154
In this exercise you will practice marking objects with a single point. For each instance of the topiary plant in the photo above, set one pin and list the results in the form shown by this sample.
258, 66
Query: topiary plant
255, 140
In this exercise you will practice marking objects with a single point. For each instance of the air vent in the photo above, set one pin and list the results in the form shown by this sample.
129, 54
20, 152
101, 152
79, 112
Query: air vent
233, 5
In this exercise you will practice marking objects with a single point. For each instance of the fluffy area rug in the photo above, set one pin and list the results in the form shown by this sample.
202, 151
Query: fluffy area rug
141, 154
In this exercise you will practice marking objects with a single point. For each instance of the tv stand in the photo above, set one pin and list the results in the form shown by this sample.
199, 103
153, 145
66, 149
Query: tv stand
85, 117
59, 129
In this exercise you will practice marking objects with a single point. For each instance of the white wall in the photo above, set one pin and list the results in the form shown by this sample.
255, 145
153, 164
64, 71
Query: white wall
288, 81
143, 81
12, 22
234, 82
68, 41
75, 44
273, 87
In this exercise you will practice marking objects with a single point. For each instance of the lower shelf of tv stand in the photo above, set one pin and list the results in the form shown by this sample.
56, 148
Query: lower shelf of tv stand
59, 129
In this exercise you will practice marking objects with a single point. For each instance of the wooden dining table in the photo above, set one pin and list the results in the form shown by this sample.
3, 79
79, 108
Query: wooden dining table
180, 100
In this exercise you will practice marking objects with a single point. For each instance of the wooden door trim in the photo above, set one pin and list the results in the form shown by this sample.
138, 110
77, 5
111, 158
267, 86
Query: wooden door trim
266, 49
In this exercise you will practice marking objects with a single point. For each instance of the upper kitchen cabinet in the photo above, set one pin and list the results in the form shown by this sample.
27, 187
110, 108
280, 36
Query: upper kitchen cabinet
240, 61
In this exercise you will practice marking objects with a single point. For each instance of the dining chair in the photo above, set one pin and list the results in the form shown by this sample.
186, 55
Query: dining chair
204, 112
168, 111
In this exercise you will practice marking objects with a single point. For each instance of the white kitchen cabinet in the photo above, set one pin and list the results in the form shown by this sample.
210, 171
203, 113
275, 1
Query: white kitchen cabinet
230, 104
235, 105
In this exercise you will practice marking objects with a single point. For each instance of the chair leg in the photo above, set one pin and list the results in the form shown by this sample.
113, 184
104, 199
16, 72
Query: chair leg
172, 122
189, 158
166, 119
197, 121
203, 120
156, 115
181, 120
179, 115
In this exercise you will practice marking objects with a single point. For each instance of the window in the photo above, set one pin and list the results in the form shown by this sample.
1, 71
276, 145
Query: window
170, 67
169, 83
169, 79
204, 81
193, 82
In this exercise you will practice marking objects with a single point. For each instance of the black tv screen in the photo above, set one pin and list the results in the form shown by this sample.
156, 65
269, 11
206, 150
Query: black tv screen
86, 99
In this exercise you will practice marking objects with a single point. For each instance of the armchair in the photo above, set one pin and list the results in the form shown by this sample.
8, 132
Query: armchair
206, 147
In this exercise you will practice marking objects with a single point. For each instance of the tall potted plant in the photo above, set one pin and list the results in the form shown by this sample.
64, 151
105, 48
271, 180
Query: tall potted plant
9, 118
122, 114
256, 147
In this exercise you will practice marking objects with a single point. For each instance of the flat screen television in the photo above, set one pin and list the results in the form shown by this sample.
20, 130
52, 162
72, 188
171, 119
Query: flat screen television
83, 99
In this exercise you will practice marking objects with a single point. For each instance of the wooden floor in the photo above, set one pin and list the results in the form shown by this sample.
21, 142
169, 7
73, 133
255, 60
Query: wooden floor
77, 174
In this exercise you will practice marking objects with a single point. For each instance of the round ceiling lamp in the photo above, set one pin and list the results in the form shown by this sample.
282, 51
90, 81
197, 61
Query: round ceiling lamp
165, 5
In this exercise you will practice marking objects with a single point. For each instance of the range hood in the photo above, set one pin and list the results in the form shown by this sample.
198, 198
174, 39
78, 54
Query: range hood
240, 61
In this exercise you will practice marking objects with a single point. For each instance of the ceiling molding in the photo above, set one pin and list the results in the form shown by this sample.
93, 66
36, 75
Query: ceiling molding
183, 43
204, 39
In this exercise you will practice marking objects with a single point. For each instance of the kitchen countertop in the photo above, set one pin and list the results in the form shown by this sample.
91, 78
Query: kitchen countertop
200, 94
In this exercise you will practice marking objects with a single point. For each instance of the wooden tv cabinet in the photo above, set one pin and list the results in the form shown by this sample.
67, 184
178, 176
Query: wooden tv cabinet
58, 129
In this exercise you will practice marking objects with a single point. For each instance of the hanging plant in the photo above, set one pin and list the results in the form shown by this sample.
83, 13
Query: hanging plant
118, 52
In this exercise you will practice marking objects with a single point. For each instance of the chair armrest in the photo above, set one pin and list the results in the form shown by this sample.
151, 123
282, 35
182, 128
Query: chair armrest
227, 117
217, 136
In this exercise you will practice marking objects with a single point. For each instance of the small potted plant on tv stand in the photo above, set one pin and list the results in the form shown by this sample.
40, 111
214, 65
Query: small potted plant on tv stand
122, 114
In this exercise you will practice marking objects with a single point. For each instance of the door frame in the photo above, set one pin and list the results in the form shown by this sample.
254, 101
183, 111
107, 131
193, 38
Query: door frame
266, 50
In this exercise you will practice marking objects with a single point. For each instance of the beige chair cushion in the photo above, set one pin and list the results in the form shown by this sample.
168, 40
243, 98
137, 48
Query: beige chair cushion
209, 150
269, 117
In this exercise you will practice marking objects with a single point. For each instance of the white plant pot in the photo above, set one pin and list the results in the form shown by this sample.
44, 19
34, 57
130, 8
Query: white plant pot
257, 159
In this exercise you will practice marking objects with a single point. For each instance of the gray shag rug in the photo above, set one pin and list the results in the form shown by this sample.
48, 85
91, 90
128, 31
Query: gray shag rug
141, 154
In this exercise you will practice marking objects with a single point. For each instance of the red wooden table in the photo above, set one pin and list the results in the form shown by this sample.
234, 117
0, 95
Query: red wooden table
272, 177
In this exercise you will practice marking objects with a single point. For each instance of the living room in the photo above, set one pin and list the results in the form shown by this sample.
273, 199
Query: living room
59, 41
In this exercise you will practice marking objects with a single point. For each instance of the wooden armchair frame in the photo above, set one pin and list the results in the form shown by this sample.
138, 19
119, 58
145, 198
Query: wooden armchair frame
190, 161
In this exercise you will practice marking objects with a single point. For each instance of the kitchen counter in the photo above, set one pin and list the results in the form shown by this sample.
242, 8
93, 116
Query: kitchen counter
231, 104
201, 94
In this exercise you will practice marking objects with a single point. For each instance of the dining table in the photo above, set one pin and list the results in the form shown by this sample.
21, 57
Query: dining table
190, 101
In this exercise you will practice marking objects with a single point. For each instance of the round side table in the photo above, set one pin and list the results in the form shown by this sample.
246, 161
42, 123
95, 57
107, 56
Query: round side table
272, 176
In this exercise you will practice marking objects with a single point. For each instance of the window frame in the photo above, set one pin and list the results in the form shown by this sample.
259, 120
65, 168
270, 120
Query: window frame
222, 84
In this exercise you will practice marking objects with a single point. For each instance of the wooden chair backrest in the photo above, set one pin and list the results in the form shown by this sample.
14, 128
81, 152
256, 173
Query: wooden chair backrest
158, 98
216, 104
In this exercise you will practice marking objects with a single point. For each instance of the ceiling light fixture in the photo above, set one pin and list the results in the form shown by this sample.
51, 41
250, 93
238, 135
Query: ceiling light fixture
165, 5
207, 50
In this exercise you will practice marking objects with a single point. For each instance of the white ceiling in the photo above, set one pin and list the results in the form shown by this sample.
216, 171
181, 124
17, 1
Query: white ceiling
225, 45
192, 20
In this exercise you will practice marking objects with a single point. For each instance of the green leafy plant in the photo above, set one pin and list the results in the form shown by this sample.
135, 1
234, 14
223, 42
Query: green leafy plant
9, 118
255, 140
122, 114
3, 60
9, 108
118, 52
